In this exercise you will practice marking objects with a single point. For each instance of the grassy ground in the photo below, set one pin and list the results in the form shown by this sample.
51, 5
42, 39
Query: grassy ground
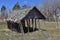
3, 25
48, 31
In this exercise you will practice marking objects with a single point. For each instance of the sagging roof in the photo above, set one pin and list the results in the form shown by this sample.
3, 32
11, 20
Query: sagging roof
19, 14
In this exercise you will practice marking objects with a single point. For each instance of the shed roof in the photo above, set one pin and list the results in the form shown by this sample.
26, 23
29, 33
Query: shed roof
19, 14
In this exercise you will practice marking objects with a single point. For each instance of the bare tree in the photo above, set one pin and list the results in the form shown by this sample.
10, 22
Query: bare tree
51, 8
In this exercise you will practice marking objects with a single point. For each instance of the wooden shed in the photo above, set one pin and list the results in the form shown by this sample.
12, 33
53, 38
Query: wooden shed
17, 19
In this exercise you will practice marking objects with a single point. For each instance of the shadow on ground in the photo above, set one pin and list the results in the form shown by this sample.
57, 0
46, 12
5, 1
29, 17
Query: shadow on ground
25, 29
30, 29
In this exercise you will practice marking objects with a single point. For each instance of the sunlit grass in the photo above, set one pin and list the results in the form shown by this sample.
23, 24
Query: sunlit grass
3, 25
50, 28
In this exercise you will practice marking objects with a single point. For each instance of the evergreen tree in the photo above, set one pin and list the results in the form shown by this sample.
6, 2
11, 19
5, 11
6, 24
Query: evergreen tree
3, 8
16, 7
4, 12
24, 6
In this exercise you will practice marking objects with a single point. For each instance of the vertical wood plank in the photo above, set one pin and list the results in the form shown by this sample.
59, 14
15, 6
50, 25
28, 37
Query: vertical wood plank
39, 23
21, 28
32, 25
35, 23
27, 24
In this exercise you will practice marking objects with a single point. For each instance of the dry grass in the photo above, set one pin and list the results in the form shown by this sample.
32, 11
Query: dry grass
3, 25
50, 33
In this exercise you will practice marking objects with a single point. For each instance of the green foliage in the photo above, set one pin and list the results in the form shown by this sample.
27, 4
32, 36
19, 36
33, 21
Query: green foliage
24, 6
16, 7
3, 12
3, 8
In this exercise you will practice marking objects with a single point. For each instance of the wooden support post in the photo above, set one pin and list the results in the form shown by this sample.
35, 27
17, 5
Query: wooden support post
25, 23
35, 23
32, 25
28, 24
39, 23
21, 28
